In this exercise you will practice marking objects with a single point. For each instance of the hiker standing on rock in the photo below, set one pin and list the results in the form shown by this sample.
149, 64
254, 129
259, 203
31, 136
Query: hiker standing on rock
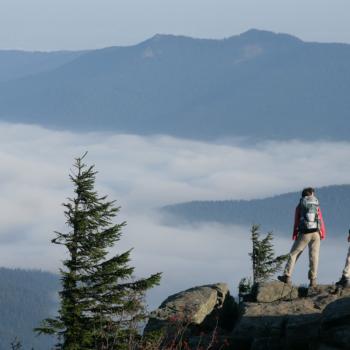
309, 230
345, 278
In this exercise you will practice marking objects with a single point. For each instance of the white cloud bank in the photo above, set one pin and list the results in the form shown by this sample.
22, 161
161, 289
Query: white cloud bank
143, 173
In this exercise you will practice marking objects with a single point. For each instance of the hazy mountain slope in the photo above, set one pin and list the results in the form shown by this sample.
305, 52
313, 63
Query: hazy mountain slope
275, 213
16, 64
257, 84
26, 297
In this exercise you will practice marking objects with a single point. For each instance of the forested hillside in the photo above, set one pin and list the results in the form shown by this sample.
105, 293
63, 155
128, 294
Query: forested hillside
206, 89
19, 64
275, 213
26, 297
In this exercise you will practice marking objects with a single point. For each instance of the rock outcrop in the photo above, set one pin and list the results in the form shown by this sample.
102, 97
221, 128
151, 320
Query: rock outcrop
274, 291
199, 308
286, 317
277, 316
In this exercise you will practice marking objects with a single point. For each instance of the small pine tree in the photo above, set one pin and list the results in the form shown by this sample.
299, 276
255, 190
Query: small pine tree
244, 288
264, 262
16, 344
100, 302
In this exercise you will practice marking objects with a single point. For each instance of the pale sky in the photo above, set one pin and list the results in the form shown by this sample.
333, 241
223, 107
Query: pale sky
81, 24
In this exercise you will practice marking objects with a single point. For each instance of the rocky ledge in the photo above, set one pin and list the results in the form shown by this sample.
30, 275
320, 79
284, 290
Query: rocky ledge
273, 316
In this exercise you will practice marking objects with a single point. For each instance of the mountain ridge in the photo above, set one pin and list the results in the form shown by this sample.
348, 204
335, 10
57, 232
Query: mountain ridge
274, 213
17, 64
26, 298
193, 88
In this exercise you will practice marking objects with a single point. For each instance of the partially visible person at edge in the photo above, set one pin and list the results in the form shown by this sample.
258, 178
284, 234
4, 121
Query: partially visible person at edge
345, 278
309, 230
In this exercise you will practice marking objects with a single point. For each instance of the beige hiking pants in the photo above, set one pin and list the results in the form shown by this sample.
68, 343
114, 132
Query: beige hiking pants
346, 271
312, 240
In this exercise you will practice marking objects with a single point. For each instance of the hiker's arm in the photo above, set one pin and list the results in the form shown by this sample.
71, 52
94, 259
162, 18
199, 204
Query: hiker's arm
322, 225
349, 236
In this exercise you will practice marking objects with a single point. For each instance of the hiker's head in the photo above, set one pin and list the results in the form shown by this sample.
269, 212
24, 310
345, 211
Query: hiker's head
309, 191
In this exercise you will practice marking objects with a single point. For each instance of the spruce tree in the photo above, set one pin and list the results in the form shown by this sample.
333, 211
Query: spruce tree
264, 262
100, 302
16, 344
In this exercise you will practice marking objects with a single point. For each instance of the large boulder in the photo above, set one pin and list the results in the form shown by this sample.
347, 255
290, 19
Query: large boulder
335, 324
277, 321
326, 347
267, 343
203, 306
302, 331
287, 317
273, 291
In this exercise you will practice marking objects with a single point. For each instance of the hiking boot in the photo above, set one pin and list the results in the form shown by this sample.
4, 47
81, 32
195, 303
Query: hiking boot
313, 283
343, 282
285, 279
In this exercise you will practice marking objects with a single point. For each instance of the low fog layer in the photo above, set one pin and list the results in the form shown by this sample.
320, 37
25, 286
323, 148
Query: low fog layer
144, 173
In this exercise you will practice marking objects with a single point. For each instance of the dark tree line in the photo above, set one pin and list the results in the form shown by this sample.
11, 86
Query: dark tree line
275, 213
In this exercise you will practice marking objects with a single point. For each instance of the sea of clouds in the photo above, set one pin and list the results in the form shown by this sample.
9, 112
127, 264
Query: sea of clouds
144, 173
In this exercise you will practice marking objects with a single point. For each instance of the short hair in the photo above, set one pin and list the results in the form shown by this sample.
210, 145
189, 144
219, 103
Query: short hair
308, 191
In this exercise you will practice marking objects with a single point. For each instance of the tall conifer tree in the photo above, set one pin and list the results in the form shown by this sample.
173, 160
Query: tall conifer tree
100, 302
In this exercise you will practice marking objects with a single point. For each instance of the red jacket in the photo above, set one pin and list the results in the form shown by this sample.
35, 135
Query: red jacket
297, 222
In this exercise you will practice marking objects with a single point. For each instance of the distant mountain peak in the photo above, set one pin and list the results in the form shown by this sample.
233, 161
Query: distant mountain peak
165, 37
160, 39
160, 36
259, 34
255, 35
